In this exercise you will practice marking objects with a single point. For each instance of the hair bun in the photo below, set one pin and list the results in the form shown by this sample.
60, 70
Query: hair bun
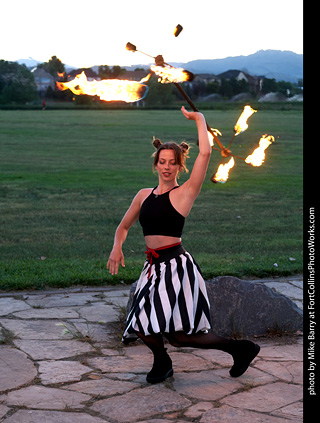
184, 147
156, 142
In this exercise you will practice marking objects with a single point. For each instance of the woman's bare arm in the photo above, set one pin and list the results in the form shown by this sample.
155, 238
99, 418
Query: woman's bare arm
116, 256
189, 191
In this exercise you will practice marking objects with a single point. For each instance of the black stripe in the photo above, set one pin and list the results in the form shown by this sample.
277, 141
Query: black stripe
171, 293
190, 271
157, 301
181, 298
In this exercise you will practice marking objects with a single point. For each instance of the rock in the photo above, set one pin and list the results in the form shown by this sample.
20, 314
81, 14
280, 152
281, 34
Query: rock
245, 308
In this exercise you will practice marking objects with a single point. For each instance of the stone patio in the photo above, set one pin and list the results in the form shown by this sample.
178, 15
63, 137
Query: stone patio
62, 361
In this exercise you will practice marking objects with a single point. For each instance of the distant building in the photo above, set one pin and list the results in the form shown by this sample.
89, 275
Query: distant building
43, 80
135, 75
254, 82
90, 74
207, 78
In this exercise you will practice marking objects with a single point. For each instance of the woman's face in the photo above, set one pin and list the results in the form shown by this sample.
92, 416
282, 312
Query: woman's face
167, 166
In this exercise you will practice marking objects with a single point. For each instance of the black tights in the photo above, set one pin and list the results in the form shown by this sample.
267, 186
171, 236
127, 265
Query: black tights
203, 340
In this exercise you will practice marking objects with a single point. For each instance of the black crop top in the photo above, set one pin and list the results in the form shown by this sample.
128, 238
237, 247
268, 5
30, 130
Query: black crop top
159, 217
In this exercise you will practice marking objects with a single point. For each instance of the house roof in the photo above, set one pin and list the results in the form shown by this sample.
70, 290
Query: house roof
234, 73
88, 72
41, 73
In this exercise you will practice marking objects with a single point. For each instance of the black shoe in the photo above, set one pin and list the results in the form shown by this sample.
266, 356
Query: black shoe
161, 369
243, 352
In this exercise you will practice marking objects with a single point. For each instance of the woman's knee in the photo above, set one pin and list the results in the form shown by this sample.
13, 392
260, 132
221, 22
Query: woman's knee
172, 339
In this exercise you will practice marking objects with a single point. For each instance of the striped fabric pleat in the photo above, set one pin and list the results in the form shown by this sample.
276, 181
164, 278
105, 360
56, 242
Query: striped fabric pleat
170, 296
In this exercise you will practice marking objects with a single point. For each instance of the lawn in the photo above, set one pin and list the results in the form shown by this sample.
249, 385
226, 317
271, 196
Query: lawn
68, 176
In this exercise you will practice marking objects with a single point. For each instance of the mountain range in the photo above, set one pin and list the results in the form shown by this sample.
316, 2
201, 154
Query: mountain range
277, 64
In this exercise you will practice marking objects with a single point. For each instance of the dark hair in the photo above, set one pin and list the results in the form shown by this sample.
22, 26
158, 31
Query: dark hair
180, 152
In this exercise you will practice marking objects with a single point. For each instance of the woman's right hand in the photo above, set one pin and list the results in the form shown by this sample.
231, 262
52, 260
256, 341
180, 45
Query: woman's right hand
116, 257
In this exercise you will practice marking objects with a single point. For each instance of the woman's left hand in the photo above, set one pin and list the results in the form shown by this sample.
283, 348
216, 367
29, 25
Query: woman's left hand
191, 115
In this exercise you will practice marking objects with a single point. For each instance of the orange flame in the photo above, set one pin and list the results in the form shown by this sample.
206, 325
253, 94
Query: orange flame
106, 89
222, 173
211, 139
241, 124
168, 74
258, 155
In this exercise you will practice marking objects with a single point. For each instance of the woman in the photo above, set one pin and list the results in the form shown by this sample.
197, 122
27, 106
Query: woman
170, 298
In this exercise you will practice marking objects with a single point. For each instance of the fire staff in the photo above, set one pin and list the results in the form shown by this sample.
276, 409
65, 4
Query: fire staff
171, 299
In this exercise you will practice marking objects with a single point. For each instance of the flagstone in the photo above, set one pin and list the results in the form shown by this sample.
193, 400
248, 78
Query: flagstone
252, 377
96, 332
41, 397
122, 364
9, 305
231, 415
141, 404
289, 371
37, 416
164, 421
41, 350
291, 411
99, 312
53, 371
207, 385
266, 398
36, 329
63, 300
282, 353
103, 387
198, 409
16, 369
3, 410
217, 357
47, 313
185, 361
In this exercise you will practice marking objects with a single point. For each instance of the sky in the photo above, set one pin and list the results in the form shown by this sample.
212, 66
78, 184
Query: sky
85, 34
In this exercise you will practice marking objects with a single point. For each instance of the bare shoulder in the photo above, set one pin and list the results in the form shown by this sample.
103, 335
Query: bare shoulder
143, 194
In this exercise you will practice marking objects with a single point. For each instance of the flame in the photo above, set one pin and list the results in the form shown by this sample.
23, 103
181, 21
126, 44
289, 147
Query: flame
258, 155
168, 74
241, 124
106, 89
222, 174
211, 139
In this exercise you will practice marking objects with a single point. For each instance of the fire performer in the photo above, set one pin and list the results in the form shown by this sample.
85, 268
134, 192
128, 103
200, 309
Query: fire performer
171, 299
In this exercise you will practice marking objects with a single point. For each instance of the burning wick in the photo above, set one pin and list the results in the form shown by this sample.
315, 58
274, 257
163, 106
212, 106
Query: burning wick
177, 30
241, 124
106, 89
258, 155
168, 75
222, 174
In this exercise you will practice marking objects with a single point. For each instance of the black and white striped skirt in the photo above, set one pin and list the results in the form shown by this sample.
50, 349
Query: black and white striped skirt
170, 296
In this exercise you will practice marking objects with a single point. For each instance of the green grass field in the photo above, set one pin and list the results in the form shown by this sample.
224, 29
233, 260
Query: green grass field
68, 176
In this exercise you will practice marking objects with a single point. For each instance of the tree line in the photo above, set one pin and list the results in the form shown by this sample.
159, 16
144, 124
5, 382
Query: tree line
17, 85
